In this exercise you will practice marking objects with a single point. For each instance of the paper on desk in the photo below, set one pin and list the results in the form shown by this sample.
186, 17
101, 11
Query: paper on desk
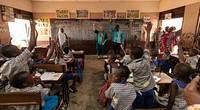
156, 78
50, 76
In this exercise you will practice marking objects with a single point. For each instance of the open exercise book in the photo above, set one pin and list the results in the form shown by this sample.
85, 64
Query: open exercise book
50, 76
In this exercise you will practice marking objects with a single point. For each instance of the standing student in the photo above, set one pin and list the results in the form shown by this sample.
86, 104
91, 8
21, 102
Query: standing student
117, 39
17, 60
143, 79
101, 40
63, 39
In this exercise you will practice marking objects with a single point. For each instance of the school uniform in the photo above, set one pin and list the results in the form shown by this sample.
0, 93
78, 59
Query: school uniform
122, 95
48, 102
117, 39
143, 81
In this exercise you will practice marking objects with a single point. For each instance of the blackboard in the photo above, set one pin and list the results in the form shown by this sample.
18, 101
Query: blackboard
82, 29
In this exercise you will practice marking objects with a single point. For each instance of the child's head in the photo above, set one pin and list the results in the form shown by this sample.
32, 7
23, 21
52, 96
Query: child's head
111, 52
66, 50
193, 52
121, 74
136, 52
21, 80
127, 51
182, 70
111, 58
37, 56
10, 51
154, 53
167, 50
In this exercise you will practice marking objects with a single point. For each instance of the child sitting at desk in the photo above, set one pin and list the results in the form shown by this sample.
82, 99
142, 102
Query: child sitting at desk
142, 78
176, 101
38, 58
24, 82
17, 60
110, 67
193, 58
164, 62
120, 91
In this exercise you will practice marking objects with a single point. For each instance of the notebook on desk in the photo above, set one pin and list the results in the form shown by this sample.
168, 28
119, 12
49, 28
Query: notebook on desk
50, 76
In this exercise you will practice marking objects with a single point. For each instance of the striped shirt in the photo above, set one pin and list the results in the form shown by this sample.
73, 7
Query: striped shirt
122, 95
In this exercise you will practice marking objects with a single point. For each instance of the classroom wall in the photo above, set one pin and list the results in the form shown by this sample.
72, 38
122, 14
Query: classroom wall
143, 6
171, 4
19, 4
190, 18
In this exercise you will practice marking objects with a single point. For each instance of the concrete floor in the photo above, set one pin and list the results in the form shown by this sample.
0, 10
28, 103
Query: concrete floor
87, 97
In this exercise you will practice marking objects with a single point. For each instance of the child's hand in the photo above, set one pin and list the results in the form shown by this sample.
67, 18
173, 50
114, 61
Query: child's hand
179, 42
149, 26
32, 23
94, 24
38, 80
111, 20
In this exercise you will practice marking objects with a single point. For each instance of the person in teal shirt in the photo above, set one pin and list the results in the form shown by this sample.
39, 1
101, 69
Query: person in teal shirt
117, 39
101, 41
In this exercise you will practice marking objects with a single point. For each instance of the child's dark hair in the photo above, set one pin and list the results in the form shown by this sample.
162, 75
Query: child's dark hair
18, 80
113, 57
123, 71
184, 70
194, 51
154, 53
34, 56
66, 50
111, 52
136, 51
7, 50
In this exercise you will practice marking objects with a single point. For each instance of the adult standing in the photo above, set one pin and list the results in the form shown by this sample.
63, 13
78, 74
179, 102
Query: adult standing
117, 39
101, 41
63, 39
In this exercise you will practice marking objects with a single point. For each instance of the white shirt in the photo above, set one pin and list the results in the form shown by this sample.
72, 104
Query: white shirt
62, 38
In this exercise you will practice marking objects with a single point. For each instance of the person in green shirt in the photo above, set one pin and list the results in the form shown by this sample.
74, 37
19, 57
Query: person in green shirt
117, 39
101, 41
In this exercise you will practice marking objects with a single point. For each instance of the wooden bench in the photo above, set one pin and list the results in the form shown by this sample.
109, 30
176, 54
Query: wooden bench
20, 99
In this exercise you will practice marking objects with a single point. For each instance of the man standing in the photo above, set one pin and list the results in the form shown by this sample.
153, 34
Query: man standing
101, 40
117, 39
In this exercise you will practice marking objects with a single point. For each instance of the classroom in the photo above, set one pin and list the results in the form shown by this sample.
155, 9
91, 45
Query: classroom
99, 54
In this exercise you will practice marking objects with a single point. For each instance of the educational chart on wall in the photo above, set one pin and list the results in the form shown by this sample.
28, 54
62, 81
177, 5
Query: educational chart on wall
82, 29
42, 26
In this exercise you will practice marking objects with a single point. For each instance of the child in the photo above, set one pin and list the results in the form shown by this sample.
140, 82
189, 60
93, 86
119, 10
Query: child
193, 58
17, 60
38, 58
142, 78
24, 82
120, 91
111, 66
164, 62
176, 101
126, 59
154, 61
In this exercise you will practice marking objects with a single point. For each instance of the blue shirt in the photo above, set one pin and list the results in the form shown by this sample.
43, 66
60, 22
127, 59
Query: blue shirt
118, 36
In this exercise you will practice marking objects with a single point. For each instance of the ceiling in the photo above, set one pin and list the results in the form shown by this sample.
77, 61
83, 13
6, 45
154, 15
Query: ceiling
92, 0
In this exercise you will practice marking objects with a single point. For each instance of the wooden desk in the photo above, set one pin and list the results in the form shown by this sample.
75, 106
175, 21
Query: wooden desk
165, 79
79, 54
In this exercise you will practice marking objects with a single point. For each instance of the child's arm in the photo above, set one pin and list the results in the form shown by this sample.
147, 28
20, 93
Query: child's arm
148, 29
37, 79
173, 92
34, 36
111, 26
180, 52
109, 93
50, 54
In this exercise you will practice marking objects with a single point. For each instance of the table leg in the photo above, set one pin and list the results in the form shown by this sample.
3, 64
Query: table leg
65, 93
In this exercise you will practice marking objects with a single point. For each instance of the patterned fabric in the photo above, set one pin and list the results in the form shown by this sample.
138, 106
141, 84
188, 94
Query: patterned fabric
38, 88
15, 65
101, 36
122, 95
179, 103
118, 36
192, 61
142, 76
126, 60
32, 62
